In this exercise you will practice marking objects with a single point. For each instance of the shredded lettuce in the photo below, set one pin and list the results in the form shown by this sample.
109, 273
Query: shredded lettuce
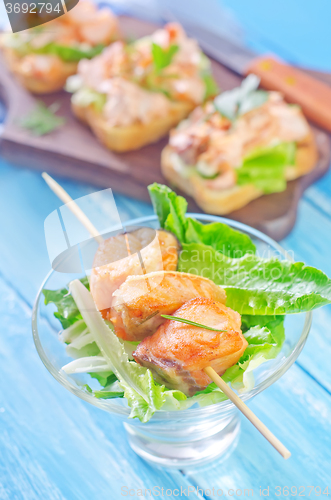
143, 395
89, 364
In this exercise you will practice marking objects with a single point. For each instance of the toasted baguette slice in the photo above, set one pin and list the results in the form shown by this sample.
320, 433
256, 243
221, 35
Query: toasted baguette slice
221, 202
43, 85
134, 136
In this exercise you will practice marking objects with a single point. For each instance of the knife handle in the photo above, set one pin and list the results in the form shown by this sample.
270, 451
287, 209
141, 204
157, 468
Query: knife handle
313, 96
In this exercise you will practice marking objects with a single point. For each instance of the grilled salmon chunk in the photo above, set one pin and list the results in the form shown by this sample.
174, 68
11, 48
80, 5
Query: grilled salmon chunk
177, 353
140, 301
117, 258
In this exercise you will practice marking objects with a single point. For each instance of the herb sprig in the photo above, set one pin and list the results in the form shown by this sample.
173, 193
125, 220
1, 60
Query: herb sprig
192, 323
42, 119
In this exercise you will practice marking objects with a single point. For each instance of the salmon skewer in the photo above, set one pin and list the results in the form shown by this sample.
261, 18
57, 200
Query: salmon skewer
138, 304
118, 257
177, 353
189, 358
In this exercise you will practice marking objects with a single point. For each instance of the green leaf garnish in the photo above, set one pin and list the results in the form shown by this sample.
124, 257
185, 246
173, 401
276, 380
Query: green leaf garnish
163, 57
42, 120
192, 323
212, 89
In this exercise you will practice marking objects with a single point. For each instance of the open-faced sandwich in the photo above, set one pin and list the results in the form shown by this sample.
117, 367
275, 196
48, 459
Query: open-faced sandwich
44, 57
237, 147
133, 94
202, 298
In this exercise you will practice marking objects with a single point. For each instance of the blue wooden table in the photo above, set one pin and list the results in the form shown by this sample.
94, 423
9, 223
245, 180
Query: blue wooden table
54, 446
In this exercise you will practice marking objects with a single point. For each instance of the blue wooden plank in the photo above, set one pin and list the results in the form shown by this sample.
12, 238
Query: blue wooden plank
298, 411
310, 242
53, 445
310, 239
319, 195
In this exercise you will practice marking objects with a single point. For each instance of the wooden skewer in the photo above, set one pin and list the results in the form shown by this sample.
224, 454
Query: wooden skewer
285, 453
72, 205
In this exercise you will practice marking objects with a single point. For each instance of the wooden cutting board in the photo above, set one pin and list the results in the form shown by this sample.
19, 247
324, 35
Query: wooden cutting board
74, 152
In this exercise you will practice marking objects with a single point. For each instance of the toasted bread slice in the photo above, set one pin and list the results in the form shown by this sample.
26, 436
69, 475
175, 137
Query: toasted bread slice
134, 136
221, 202
44, 84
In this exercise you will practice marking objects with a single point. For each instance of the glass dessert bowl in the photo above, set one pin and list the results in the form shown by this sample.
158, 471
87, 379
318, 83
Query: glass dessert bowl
172, 439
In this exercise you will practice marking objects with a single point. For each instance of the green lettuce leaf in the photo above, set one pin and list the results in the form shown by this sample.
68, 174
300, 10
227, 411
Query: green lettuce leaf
259, 286
171, 211
266, 334
253, 285
219, 236
265, 167
143, 395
